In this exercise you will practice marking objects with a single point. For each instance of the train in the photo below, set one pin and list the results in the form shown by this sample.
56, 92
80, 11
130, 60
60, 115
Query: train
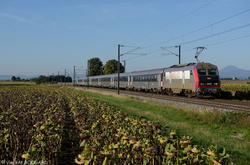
190, 79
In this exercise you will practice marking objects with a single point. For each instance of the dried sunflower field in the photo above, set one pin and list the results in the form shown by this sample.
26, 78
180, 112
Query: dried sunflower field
41, 125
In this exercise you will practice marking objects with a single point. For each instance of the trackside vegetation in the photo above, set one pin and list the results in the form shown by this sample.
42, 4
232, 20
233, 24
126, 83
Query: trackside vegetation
229, 130
47, 125
236, 91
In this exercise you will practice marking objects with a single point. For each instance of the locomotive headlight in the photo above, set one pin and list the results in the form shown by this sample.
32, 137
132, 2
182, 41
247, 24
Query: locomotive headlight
216, 84
202, 84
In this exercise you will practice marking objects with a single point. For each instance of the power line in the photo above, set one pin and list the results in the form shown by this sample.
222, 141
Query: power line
223, 32
220, 42
199, 28
237, 38
229, 40
173, 22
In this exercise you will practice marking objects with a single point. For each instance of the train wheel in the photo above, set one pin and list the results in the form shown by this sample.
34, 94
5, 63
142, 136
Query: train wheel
170, 92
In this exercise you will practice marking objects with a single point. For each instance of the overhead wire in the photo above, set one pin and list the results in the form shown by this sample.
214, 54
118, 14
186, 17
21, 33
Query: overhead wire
178, 19
220, 42
223, 32
220, 21
173, 22
202, 38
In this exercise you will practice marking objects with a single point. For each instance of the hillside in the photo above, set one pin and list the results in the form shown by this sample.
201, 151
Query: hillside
8, 77
231, 71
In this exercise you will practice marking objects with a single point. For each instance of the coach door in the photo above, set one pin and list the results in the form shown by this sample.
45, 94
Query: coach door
192, 81
129, 81
112, 82
161, 78
183, 79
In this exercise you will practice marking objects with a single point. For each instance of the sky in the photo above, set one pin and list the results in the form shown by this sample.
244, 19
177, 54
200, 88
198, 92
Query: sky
45, 37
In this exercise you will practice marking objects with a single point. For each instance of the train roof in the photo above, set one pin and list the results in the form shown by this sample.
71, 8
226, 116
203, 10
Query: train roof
190, 66
151, 71
109, 75
182, 65
185, 66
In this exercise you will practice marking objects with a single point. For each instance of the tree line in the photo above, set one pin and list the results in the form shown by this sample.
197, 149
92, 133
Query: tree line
52, 79
96, 67
14, 78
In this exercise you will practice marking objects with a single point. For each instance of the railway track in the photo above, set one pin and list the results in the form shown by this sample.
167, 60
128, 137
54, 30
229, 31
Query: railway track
193, 103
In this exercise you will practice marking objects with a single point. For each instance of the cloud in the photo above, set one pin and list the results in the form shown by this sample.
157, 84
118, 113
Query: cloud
17, 18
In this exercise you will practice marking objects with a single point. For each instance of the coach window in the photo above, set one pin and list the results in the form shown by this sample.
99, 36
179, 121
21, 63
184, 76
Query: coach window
191, 72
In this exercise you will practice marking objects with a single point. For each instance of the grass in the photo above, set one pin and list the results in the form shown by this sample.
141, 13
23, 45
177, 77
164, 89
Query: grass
15, 83
229, 130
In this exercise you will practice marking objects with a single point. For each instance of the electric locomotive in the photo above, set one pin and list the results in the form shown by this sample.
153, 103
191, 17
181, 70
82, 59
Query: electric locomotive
192, 79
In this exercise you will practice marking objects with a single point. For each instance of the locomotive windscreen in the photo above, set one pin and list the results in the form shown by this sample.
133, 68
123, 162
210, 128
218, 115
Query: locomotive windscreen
207, 72
208, 76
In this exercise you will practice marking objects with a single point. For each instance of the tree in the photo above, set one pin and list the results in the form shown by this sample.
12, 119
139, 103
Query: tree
112, 67
95, 67
13, 78
51, 79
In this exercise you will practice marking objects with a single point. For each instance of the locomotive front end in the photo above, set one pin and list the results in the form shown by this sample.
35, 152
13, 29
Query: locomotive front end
208, 80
